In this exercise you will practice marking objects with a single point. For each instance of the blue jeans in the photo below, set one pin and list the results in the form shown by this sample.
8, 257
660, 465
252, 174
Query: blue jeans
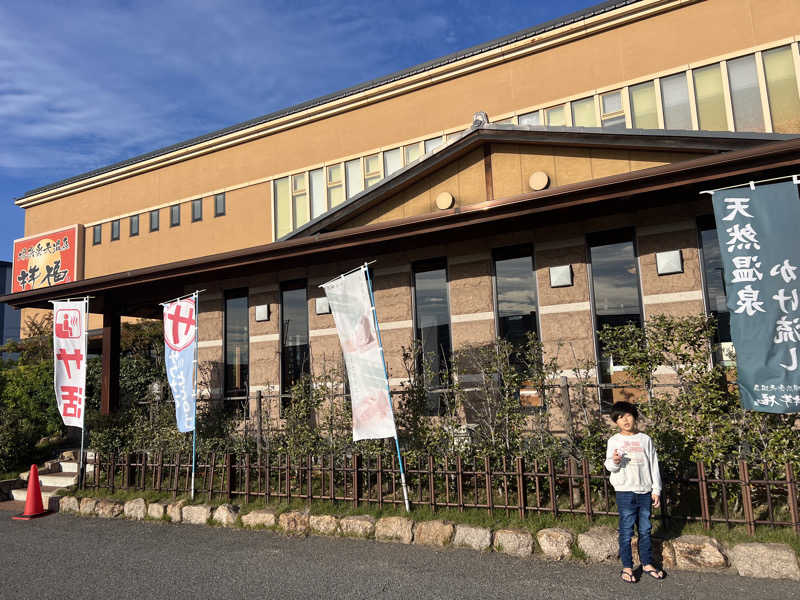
634, 509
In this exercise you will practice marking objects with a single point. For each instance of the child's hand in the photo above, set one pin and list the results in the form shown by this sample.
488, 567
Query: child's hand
656, 500
616, 457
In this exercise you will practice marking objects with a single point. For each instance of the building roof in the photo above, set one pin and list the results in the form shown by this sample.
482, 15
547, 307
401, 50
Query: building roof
703, 142
569, 19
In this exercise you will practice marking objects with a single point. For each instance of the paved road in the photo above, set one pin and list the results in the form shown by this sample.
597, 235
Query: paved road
65, 557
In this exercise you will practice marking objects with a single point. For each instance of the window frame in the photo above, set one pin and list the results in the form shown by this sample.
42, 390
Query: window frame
97, 234
289, 285
174, 210
219, 200
133, 231
227, 295
114, 235
155, 220
197, 210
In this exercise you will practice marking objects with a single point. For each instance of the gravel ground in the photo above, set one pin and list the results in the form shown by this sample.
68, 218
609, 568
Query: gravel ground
64, 556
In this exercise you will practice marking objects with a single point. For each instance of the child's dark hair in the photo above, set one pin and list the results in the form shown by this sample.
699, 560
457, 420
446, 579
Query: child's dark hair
623, 408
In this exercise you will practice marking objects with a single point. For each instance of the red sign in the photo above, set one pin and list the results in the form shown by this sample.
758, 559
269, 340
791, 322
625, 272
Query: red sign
48, 259
180, 323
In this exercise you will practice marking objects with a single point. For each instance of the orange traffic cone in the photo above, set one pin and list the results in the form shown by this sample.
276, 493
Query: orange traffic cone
33, 500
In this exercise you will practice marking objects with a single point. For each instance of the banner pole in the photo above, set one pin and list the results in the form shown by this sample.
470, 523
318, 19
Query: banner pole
388, 387
83, 423
196, 346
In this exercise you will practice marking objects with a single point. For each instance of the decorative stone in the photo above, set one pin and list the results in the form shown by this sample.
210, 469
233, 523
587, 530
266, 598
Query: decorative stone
362, 526
175, 511
108, 509
555, 542
69, 504
156, 510
324, 524
433, 533
294, 522
663, 553
600, 544
394, 529
516, 542
476, 538
197, 514
136, 509
263, 517
698, 552
773, 561
88, 506
226, 514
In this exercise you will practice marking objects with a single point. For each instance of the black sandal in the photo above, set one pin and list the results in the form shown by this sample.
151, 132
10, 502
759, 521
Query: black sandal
623, 574
654, 573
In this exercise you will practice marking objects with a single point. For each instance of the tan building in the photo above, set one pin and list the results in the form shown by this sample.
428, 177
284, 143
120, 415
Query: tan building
572, 201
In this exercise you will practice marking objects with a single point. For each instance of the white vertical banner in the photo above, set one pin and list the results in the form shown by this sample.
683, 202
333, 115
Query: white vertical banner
69, 360
180, 353
349, 299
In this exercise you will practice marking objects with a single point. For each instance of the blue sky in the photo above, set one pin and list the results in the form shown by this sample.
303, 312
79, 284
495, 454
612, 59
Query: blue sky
86, 84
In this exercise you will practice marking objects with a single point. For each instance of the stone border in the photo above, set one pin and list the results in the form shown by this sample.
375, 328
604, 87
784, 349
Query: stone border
599, 544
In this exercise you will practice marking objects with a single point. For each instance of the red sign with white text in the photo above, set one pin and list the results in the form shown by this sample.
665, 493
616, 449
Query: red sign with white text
47, 259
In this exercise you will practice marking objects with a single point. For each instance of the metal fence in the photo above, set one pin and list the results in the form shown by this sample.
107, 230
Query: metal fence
751, 495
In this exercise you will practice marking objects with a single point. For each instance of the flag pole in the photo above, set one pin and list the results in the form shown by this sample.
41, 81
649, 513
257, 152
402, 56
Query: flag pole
388, 387
196, 346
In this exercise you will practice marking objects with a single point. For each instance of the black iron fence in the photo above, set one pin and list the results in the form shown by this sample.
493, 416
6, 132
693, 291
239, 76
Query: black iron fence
748, 495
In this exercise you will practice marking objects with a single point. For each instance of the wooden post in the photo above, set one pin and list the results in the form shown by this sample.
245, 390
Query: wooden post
791, 497
587, 489
551, 476
109, 395
259, 425
228, 476
747, 499
522, 499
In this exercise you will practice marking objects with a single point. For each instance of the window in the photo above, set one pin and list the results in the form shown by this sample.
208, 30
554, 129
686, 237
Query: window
555, 116
515, 293
615, 295
97, 234
583, 113
411, 153
283, 207
134, 225
434, 143
675, 97
372, 170
745, 95
197, 210
300, 209
237, 343
335, 185
174, 215
714, 275
295, 355
784, 104
612, 113
531, 118
392, 161
432, 326
355, 177
319, 203
644, 111
711, 114
154, 220
114, 230
219, 204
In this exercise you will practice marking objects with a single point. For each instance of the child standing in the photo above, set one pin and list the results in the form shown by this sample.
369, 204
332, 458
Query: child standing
632, 460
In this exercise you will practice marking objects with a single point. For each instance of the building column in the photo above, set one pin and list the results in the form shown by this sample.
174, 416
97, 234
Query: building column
109, 400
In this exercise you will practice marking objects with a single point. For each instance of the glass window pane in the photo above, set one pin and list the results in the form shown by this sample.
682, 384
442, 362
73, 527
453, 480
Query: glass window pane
583, 113
317, 185
784, 103
392, 161
115, 229
370, 181
197, 209
745, 95
432, 327
611, 102
710, 98
301, 215
516, 294
452, 136
294, 335
355, 179
531, 118
675, 96
555, 116
644, 114
283, 207
154, 220
335, 174
219, 204
299, 183
97, 234
335, 195
716, 298
237, 343
134, 225
372, 164
411, 152
174, 215
432, 144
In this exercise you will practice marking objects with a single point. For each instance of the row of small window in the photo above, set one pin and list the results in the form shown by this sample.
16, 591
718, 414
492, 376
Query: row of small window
304, 196
615, 294
740, 94
154, 217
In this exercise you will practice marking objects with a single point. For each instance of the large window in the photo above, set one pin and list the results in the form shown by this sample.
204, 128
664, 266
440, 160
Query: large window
237, 343
675, 96
432, 326
784, 103
295, 356
515, 291
615, 294
714, 276
745, 95
583, 113
710, 99
644, 106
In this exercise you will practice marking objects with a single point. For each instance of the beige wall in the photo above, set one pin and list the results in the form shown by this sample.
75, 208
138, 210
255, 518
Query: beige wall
695, 32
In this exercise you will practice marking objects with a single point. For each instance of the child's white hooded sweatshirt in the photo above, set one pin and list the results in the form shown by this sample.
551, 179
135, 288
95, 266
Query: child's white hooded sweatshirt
638, 469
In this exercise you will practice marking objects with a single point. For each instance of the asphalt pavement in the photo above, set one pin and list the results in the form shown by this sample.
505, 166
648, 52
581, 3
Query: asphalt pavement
66, 556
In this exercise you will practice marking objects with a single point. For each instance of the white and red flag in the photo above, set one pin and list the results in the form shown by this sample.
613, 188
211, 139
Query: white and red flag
180, 347
69, 360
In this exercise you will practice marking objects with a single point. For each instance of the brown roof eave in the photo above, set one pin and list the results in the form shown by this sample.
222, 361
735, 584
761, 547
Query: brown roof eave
708, 170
